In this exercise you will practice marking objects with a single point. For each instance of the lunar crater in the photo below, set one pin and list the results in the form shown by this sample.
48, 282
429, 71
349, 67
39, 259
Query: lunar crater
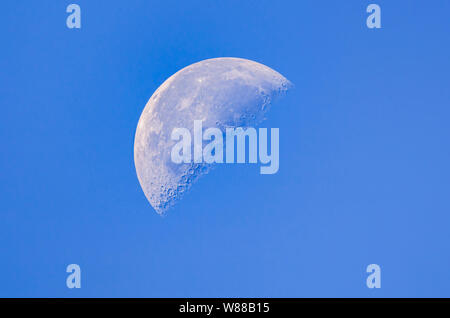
223, 92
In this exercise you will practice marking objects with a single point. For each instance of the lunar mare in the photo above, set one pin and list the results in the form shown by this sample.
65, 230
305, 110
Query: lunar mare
222, 92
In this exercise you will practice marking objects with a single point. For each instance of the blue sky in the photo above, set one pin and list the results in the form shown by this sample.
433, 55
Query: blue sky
364, 152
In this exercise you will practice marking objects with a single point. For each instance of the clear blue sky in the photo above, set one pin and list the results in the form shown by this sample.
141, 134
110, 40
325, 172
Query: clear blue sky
364, 160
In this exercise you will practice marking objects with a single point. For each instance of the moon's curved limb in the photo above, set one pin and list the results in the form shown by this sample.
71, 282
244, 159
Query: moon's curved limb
223, 92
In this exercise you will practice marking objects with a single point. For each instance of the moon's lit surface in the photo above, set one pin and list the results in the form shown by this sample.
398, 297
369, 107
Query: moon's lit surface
223, 92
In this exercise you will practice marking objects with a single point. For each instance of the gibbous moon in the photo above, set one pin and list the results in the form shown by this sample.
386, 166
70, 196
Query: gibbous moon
223, 92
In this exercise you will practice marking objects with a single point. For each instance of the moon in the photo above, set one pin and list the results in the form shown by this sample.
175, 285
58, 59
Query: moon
223, 92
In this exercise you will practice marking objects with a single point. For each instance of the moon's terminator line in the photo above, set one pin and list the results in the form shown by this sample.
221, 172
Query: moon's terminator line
222, 92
